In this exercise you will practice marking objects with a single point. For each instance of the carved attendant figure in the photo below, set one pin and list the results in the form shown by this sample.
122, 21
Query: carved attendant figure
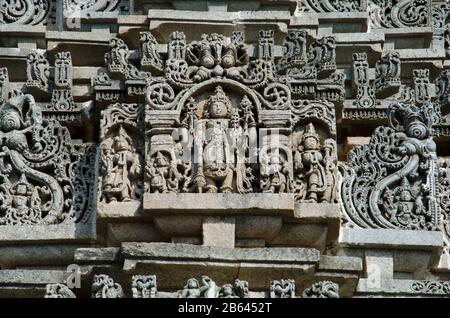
163, 175
309, 162
275, 173
125, 166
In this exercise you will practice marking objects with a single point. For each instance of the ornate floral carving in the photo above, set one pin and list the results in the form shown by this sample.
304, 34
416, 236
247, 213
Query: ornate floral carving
430, 287
32, 152
365, 96
284, 288
399, 13
444, 193
391, 183
150, 59
324, 289
58, 291
331, 6
443, 87
24, 12
104, 286
439, 13
38, 71
117, 58
266, 45
62, 99
88, 6
295, 53
144, 286
387, 73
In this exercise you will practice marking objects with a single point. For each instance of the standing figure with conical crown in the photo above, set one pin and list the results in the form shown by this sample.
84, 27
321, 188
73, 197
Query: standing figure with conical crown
219, 165
312, 166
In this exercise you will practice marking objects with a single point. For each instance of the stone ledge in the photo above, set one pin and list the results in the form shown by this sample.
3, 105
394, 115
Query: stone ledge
32, 277
47, 233
391, 239
180, 252
214, 203
97, 255
340, 264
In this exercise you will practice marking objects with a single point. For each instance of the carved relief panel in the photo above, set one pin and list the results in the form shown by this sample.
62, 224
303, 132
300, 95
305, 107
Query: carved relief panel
121, 154
391, 183
45, 178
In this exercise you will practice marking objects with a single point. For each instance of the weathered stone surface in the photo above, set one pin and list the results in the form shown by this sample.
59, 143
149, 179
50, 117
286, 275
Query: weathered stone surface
214, 203
231, 149
186, 251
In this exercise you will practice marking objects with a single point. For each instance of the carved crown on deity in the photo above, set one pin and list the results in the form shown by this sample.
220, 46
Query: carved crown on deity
218, 106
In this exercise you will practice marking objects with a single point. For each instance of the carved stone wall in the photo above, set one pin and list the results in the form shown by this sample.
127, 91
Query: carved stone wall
299, 148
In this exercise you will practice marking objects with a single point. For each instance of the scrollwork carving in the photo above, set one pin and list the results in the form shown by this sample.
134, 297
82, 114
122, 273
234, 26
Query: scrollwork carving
391, 183
26, 12
38, 71
399, 13
32, 152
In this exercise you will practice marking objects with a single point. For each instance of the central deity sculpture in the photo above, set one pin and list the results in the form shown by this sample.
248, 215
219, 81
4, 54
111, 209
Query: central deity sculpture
217, 136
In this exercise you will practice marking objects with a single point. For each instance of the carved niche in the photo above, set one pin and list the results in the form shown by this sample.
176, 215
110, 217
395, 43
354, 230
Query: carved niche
44, 178
121, 153
391, 182
218, 121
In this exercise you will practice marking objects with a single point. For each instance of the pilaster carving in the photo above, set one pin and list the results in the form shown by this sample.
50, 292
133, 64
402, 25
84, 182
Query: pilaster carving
62, 99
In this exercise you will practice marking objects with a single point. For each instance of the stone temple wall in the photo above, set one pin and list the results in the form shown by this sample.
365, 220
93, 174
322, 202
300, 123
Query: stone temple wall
224, 148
